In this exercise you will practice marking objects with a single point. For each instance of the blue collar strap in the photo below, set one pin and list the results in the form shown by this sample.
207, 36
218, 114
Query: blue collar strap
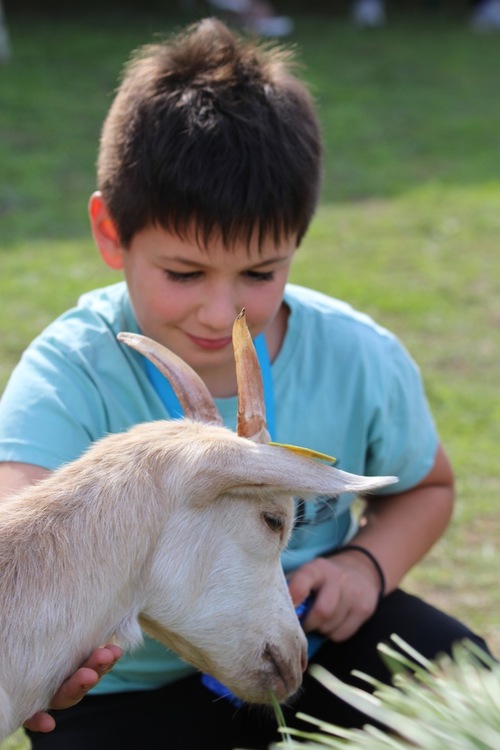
171, 402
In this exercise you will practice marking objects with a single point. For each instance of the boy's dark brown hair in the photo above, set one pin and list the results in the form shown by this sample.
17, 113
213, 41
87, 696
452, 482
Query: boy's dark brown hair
212, 132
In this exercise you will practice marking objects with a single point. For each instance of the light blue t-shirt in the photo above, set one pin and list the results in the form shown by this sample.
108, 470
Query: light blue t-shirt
343, 386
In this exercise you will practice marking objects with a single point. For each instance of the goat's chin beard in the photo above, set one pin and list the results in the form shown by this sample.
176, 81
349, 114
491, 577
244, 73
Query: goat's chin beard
182, 647
292, 699
267, 710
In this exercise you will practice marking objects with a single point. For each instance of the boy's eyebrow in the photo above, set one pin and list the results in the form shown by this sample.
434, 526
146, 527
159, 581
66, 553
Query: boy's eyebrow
259, 263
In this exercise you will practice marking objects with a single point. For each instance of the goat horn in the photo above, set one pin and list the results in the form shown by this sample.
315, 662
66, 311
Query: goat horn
193, 394
251, 410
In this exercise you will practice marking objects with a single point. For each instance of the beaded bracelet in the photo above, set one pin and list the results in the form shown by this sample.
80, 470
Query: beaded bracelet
370, 556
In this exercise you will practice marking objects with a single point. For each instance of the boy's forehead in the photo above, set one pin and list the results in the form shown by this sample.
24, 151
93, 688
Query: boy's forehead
192, 241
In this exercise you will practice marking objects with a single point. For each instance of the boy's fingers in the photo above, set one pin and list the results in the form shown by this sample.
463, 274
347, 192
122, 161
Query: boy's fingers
69, 694
77, 686
103, 659
40, 722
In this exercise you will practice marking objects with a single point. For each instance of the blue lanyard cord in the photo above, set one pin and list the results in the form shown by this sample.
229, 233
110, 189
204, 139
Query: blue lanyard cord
164, 390
171, 402
267, 380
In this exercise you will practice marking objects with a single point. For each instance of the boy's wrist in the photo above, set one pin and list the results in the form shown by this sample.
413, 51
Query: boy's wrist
373, 560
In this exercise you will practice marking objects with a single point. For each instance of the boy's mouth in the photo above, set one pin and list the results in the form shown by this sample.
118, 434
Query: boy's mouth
211, 344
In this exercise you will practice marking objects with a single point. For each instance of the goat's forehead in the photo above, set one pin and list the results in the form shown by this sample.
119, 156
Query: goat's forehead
220, 440
160, 433
205, 432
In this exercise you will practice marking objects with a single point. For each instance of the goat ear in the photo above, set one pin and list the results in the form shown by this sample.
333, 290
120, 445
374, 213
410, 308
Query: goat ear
280, 468
194, 396
251, 421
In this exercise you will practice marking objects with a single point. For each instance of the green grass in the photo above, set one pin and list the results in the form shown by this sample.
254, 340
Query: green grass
430, 706
407, 230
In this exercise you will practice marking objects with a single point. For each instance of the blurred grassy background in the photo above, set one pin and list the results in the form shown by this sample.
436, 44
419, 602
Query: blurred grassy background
407, 229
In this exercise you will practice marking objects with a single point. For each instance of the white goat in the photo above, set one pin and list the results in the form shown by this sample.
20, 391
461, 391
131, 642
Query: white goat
175, 527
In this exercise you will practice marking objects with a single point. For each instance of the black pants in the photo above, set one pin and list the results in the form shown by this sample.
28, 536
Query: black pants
187, 716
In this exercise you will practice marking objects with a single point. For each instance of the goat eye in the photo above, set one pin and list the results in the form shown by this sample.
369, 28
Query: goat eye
275, 523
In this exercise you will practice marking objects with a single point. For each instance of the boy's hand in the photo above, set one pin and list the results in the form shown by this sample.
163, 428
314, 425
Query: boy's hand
77, 686
346, 591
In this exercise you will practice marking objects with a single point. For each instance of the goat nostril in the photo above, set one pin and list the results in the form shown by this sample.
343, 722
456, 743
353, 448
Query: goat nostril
270, 654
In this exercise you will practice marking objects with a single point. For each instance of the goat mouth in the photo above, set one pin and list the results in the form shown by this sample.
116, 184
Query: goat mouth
286, 679
274, 678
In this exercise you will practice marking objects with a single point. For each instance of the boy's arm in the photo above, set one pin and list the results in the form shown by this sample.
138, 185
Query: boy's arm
401, 529
398, 530
14, 476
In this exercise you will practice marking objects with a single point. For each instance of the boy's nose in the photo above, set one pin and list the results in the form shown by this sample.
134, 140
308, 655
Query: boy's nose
219, 309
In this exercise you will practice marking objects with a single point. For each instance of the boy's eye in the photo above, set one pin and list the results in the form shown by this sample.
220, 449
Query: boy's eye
177, 276
256, 276
260, 275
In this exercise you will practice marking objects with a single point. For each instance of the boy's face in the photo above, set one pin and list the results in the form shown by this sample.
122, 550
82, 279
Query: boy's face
187, 298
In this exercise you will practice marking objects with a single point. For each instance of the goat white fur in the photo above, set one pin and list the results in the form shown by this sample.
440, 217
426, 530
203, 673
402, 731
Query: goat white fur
173, 527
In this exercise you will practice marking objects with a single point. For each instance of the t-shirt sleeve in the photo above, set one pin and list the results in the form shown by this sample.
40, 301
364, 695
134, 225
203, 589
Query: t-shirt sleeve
51, 410
75, 384
403, 438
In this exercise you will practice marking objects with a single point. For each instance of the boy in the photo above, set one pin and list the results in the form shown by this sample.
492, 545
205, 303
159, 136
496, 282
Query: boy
208, 175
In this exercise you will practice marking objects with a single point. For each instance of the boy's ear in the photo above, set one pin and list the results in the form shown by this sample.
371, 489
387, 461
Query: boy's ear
105, 233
